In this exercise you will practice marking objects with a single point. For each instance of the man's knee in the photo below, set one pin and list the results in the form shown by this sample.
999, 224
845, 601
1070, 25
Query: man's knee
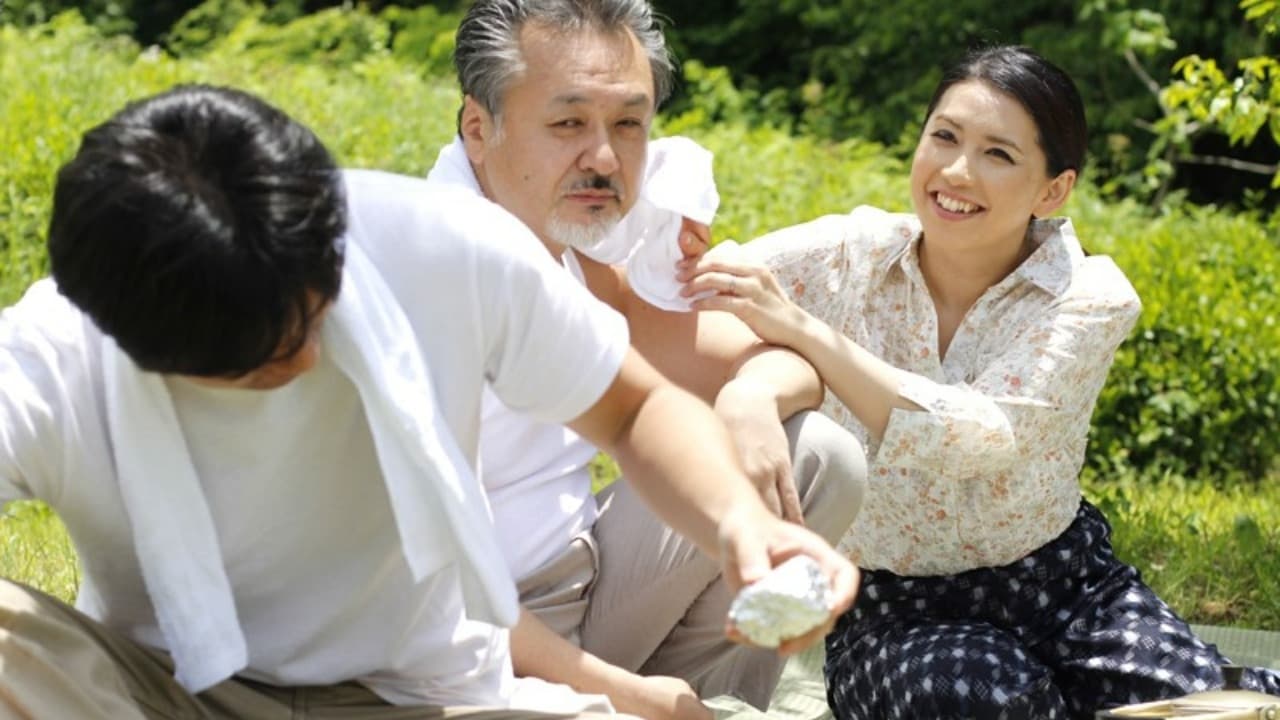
19, 602
51, 665
829, 465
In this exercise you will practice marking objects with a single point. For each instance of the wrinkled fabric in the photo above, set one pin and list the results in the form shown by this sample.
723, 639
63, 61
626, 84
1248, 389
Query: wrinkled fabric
1062, 633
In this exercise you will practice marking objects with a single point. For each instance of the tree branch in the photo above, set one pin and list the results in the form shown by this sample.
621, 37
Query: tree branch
1234, 164
1191, 129
1152, 86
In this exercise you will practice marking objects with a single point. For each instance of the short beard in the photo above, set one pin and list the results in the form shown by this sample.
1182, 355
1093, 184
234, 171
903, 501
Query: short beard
582, 236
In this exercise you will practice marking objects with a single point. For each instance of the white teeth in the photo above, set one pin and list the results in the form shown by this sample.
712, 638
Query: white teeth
955, 205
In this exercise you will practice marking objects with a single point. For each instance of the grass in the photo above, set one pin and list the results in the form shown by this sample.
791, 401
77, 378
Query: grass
36, 549
1212, 553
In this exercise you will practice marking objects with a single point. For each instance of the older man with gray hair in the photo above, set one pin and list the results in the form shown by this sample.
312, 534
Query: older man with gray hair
558, 99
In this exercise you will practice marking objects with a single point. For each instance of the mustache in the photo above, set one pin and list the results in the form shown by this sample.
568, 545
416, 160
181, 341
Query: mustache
595, 181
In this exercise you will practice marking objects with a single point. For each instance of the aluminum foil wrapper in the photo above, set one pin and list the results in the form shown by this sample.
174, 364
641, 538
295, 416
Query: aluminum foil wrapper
788, 602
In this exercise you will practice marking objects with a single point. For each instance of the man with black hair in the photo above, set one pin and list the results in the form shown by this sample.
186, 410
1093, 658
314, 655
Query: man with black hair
251, 390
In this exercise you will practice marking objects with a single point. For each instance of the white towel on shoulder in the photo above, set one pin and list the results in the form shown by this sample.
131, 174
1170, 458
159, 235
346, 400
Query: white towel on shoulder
173, 532
439, 506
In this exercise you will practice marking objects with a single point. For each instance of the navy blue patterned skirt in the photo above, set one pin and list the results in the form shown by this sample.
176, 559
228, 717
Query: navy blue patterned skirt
1062, 633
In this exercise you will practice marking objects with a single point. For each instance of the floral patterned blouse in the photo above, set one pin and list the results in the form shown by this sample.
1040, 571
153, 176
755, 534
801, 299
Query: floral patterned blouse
988, 471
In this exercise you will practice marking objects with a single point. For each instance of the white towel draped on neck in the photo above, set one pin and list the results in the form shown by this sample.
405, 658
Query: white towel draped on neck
439, 506
173, 532
678, 183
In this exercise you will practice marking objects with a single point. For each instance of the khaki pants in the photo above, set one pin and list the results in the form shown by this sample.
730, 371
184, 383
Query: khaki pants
642, 597
58, 664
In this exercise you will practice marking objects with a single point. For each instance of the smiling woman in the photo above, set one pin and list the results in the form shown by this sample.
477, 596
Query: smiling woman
965, 345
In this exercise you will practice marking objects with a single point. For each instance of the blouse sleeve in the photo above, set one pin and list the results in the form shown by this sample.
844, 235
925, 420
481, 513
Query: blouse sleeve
1042, 386
812, 262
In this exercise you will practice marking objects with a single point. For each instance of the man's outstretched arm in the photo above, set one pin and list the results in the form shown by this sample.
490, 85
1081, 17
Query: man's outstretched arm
753, 386
684, 466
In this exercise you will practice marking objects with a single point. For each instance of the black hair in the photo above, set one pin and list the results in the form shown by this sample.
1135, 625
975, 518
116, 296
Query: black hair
199, 228
1046, 92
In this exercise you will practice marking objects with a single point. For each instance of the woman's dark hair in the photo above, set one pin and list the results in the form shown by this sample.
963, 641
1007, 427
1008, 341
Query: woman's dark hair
1046, 92
199, 228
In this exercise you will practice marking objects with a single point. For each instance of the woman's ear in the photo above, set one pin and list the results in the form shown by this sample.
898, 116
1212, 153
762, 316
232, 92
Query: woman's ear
1055, 193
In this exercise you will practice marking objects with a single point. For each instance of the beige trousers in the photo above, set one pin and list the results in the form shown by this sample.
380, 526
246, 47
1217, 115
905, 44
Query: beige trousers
58, 664
642, 597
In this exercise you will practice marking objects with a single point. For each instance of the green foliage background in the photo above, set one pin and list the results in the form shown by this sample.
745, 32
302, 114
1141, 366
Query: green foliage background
859, 68
852, 68
1184, 451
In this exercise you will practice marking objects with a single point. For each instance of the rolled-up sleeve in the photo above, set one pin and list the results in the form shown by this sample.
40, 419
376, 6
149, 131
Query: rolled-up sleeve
1044, 382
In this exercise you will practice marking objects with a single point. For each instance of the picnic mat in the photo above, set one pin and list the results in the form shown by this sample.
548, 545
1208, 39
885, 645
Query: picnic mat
1255, 648
802, 696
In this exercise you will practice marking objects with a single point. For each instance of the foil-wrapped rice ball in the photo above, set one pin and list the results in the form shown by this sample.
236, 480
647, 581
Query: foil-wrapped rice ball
787, 603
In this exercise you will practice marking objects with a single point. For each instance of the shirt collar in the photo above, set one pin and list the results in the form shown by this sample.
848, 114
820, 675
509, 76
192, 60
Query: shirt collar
1048, 267
905, 230
1057, 252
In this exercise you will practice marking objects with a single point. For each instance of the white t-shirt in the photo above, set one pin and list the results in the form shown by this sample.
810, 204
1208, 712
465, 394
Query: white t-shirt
304, 522
535, 473
538, 483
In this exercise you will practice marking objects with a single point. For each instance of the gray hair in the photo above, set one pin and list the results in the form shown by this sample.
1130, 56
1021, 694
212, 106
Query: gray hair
487, 52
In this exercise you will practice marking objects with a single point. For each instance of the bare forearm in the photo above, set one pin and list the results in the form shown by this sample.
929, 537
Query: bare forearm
780, 376
675, 452
537, 651
867, 385
684, 465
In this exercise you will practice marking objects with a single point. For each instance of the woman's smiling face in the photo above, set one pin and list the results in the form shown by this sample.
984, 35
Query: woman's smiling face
979, 173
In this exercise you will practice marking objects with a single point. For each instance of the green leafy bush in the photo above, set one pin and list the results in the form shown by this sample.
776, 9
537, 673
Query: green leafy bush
335, 37
769, 179
202, 27
341, 37
62, 78
110, 16
424, 37
1195, 391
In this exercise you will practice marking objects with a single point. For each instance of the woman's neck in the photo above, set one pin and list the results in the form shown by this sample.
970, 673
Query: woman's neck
956, 278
